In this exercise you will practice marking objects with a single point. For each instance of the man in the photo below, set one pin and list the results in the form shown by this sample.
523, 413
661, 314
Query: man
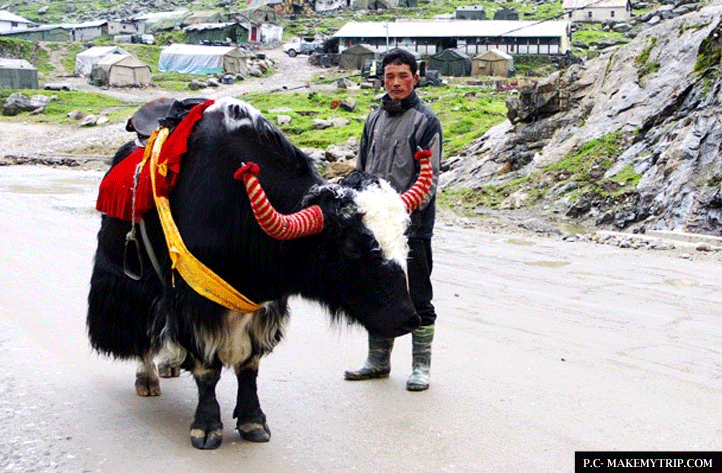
391, 136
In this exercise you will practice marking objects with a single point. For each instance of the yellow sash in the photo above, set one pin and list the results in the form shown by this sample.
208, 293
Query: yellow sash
198, 276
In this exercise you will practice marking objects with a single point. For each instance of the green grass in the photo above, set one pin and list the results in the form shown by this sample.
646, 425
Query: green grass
593, 34
68, 61
148, 53
644, 65
465, 114
65, 102
307, 107
626, 178
710, 52
586, 167
175, 80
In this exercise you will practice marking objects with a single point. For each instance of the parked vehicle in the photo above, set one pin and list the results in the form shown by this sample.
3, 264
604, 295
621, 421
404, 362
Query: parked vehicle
302, 46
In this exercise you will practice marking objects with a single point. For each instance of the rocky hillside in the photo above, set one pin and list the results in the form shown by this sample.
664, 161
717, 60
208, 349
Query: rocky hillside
630, 140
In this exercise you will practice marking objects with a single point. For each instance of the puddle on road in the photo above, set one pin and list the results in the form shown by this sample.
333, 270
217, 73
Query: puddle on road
41, 190
548, 264
679, 283
517, 241
574, 229
85, 210
41, 185
45, 182
69, 191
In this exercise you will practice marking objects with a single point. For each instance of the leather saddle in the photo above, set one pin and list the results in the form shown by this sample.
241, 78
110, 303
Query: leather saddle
164, 111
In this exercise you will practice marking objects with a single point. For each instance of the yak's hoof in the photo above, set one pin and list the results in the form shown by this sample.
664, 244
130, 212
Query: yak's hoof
147, 385
206, 441
254, 432
167, 370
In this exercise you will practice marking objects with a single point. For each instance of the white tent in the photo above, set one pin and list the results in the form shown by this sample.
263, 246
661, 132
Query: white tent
196, 59
84, 61
492, 63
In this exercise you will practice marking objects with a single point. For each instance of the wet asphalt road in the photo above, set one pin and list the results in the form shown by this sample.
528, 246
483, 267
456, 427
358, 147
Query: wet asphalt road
543, 348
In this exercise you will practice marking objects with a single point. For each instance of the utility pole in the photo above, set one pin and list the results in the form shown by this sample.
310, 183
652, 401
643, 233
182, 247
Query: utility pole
387, 36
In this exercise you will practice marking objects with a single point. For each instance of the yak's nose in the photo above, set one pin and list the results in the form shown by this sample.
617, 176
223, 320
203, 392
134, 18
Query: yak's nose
408, 326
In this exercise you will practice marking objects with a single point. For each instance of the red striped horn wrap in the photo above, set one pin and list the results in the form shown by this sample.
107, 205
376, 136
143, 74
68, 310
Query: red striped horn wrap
417, 193
308, 221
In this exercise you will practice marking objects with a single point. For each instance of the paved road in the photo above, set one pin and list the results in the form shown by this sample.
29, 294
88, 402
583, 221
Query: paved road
544, 347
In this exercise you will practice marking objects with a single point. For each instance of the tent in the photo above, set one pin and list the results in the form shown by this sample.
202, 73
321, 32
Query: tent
84, 61
450, 62
353, 58
121, 71
164, 21
198, 33
17, 74
492, 63
195, 59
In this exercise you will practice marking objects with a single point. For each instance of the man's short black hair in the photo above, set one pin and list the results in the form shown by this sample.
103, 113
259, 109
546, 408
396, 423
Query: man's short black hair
400, 56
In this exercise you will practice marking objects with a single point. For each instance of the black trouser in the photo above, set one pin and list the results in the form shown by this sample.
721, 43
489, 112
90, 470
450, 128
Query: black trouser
419, 267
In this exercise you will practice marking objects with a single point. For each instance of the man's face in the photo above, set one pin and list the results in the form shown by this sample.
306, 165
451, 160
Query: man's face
399, 80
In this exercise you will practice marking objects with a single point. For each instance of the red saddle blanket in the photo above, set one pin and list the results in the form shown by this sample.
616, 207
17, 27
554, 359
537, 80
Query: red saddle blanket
115, 195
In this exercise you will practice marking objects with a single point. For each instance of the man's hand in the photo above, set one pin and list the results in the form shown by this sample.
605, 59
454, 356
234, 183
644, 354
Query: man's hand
422, 153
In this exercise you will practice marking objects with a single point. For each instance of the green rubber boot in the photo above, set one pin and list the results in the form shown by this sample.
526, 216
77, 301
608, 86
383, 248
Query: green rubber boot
421, 363
377, 363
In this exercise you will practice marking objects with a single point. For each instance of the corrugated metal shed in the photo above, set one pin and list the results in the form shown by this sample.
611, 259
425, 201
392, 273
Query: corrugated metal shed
164, 20
12, 17
452, 28
17, 74
41, 33
198, 32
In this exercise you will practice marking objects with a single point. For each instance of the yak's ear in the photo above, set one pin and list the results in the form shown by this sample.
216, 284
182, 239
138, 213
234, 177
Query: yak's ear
358, 180
338, 205
335, 198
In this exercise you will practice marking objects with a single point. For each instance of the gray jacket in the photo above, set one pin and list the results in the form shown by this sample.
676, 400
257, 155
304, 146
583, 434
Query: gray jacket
391, 136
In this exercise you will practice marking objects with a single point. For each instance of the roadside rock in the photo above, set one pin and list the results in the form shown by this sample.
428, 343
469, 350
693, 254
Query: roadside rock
16, 103
283, 119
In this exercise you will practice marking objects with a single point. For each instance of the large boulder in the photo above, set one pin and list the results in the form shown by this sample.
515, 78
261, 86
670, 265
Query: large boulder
17, 103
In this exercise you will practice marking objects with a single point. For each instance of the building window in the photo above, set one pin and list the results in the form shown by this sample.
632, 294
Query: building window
589, 14
612, 13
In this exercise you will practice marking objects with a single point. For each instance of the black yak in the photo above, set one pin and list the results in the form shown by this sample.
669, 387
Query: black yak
340, 244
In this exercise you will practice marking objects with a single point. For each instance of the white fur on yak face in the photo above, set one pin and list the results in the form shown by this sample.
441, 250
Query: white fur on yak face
237, 113
384, 213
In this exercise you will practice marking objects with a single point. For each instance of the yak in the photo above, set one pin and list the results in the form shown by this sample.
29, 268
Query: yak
271, 230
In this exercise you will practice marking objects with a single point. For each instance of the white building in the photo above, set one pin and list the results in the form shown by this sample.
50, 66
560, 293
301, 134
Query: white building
427, 37
12, 22
330, 5
585, 11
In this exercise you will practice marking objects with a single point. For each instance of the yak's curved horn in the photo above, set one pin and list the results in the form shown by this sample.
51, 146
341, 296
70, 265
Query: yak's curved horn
308, 221
417, 193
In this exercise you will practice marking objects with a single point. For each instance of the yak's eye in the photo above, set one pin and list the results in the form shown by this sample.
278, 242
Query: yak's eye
350, 249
